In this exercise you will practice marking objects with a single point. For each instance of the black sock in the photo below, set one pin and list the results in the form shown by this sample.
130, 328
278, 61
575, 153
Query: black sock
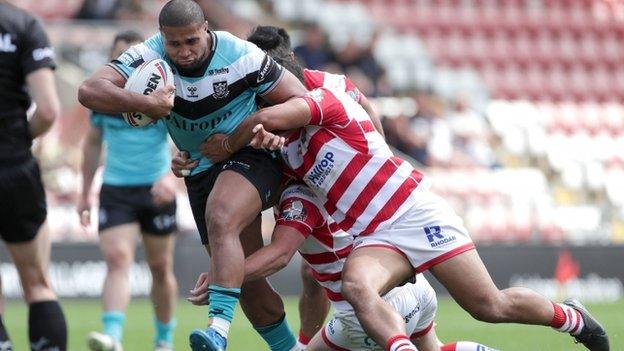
47, 330
5, 342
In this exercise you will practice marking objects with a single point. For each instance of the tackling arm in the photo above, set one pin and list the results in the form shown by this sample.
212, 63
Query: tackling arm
275, 256
292, 114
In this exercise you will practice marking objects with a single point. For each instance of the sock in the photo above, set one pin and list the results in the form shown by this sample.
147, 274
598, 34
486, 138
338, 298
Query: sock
303, 340
164, 331
465, 346
5, 342
46, 326
567, 319
113, 322
222, 303
400, 343
278, 335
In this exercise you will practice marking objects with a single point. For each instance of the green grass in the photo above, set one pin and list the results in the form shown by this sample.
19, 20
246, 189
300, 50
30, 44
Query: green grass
453, 324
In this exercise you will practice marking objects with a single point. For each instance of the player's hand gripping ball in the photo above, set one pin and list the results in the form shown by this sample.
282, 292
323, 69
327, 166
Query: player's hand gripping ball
145, 79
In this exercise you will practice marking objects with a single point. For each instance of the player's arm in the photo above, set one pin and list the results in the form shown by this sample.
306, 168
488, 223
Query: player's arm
368, 107
262, 263
275, 256
43, 91
91, 152
104, 91
292, 114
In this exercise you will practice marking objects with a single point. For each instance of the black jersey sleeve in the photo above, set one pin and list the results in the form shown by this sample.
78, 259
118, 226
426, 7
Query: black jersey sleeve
36, 51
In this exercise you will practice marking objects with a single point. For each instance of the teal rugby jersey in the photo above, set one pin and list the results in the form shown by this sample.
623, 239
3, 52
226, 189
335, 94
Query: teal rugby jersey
219, 97
134, 156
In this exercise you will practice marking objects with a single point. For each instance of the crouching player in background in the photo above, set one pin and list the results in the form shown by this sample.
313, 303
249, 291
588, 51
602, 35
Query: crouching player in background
137, 197
304, 225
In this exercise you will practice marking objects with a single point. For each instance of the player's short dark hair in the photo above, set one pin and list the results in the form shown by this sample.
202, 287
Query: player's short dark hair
129, 36
179, 13
275, 41
269, 38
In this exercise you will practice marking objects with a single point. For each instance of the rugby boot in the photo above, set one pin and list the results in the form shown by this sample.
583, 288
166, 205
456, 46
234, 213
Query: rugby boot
163, 346
593, 335
207, 340
102, 342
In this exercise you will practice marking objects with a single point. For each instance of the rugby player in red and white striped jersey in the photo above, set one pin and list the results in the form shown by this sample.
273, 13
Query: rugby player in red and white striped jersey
313, 303
400, 225
304, 225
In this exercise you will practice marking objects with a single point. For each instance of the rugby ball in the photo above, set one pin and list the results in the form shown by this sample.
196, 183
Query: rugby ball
145, 79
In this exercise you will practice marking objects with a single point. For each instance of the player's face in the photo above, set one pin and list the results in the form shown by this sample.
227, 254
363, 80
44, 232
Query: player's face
187, 46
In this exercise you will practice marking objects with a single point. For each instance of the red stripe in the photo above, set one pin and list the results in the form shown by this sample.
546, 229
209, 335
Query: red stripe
325, 235
162, 72
327, 257
329, 277
368, 126
419, 333
367, 194
445, 256
315, 144
330, 344
296, 225
396, 200
394, 339
333, 296
345, 179
304, 339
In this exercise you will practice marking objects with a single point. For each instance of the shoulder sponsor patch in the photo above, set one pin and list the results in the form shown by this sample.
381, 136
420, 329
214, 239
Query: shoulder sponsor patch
294, 212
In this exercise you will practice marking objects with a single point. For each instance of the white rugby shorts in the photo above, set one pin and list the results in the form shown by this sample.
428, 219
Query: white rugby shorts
427, 234
417, 304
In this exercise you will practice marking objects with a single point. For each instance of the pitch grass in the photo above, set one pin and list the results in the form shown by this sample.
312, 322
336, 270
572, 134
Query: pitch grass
453, 324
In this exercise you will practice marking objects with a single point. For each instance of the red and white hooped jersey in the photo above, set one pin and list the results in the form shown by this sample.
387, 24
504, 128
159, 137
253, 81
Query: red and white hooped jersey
326, 247
318, 79
349, 166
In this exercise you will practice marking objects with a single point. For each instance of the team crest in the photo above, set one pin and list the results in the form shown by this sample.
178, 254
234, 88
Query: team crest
220, 89
294, 212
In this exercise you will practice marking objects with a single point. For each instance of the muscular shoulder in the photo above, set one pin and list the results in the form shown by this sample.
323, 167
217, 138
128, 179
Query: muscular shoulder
231, 47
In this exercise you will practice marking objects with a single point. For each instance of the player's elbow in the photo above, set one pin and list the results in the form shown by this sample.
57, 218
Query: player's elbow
283, 259
48, 112
87, 93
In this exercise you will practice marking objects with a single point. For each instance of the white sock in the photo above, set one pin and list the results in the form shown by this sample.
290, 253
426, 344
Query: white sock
574, 321
300, 345
221, 325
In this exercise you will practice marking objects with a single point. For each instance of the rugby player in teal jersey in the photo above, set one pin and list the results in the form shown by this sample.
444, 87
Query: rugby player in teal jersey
137, 197
217, 80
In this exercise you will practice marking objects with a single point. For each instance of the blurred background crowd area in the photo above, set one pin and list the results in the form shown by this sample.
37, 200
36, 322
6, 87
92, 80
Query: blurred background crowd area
513, 107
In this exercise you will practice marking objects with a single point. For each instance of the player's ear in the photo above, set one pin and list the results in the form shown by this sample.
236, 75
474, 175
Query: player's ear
205, 25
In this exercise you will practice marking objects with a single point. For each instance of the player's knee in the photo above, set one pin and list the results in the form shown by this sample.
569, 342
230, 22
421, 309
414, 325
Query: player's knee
310, 285
161, 269
117, 259
35, 284
221, 218
355, 291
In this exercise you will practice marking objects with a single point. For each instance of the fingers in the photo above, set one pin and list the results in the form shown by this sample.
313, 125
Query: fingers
169, 89
199, 300
200, 281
